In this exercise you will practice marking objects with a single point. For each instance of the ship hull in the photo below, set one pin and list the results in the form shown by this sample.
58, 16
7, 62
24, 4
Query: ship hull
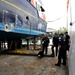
21, 8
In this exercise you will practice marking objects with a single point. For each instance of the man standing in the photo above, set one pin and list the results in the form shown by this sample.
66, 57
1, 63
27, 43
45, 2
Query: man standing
62, 51
45, 43
67, 41
55, 44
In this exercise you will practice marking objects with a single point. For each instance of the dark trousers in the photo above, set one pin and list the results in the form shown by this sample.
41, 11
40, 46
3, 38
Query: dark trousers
44, 48
56, 46
62, 55
67, 47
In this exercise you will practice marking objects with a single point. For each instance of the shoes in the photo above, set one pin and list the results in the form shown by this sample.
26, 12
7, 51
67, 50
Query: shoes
52, 55
60, 65
56, 54
63, 64
57, 64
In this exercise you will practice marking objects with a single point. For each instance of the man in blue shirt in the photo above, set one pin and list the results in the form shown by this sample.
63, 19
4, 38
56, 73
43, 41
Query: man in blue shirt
62, 51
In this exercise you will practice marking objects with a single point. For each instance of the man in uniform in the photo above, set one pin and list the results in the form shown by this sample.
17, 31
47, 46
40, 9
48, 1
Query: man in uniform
55, 44
67, 41
45, 43
62, 51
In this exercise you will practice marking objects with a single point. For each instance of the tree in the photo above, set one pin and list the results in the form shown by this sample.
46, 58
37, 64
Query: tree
62, 30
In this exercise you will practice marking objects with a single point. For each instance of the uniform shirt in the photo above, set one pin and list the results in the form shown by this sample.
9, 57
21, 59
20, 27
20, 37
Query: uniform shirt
45, 41
62, 43
55, 40
67, 39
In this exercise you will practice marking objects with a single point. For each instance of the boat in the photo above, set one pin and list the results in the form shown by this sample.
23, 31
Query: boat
20, 16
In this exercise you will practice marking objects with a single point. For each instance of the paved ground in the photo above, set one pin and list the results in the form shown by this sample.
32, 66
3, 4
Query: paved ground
30, 65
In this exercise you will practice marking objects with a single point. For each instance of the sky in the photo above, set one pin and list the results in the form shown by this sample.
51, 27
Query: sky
55, 9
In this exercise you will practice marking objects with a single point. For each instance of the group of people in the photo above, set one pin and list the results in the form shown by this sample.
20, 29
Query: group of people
61, 43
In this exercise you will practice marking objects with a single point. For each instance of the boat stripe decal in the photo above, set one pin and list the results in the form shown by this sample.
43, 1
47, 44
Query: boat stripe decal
18, 8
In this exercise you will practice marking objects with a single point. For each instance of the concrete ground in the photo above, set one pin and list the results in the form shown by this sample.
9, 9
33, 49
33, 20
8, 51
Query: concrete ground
30, 65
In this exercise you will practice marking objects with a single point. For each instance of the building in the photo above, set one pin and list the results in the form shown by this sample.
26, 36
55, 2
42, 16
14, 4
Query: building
71, 30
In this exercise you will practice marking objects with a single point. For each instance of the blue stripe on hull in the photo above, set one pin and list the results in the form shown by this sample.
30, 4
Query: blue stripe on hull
21, 30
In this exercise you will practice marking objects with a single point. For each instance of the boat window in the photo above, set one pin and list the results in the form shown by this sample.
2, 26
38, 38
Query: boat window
27, 17
9, 17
